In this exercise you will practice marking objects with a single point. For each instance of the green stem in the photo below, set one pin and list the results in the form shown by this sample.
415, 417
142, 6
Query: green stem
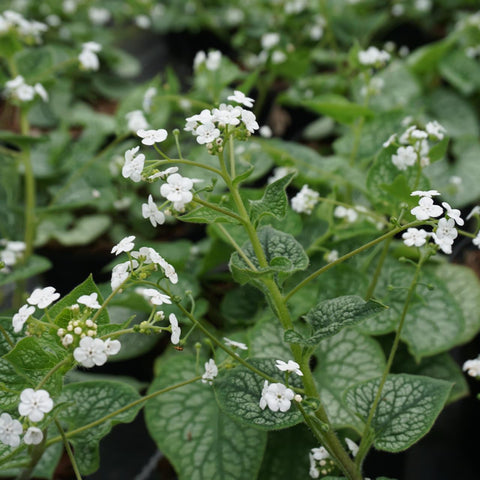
237, 247
69, 451
52, 371
218, 209
378, 269
78, 430
232, 156
367, 435
7, 337
193, 164
351, 254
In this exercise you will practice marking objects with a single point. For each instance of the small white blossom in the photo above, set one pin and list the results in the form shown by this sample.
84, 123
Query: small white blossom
290, 366
241, 98
425, 193
249, 120
143, 21
124, 245
164, 173
331, 256
88, 57
120, 273
147, 100
18, 89
352, 446
176, 330
199, 59
33, 436
154, 296
67, 340
213, 60
415, 237
90, 301
43, 297
476, 240
278, 57
390, 140
276, 396
435, 130
405, 157
453, 213
99, 16
151, 211
10, 430
150, 137
206, 133
279, 172
269, 40
41, 92
233, 343
169, 271
305, 200
265, 131
112, 347
373, 56
34, 404
148, 255
21, 317
342, 212
472, 367
177, 190
211, 371
426, 209
90, 352
445, 243
133, 166
446, 229
136, 121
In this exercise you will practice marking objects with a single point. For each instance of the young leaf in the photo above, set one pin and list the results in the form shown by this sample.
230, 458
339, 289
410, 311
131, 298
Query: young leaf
274, 201
283, 253
88, 402
407, 410
201, 442
331, 316
239, 391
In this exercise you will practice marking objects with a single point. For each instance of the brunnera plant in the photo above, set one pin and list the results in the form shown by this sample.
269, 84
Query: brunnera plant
322, 279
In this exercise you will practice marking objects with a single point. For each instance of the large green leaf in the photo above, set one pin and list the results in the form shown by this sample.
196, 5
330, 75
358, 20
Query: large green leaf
342, 361
331, 316
407, 409
201, 442
461, 71
34, 265
87, 402
207, 215
283, 254
239, 391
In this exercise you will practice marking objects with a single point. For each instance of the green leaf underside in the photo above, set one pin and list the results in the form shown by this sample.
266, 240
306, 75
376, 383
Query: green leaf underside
88, 402
341, 362
201, 442
239, 390
274, 201
283, 253
331, 316
406, 412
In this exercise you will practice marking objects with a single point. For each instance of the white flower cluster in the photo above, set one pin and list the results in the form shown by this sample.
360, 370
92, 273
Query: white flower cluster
12, 252
18, 89
26, 29
95, 351
417, 146
305, 200
88, 57
212, 60
320, 462
34, 404
444, 233
373, 57
350, 214
472, 367
144, 256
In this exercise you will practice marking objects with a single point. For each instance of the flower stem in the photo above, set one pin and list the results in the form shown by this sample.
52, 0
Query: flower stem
378, 269
69, 451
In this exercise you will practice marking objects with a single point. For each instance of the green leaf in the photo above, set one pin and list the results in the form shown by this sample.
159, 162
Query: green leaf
338, 108
425, 59
274, 201
239, 390
200, 441
461, 72
438, 151
331, 316
35, 265
407, 409
283, 253
207, 215
11, 385
266, 339
88, 402
341, 362
85, 230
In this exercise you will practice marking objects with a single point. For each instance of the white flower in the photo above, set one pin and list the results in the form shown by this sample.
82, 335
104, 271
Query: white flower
163, 173
305, 200
99, 16
199, 59
88, 57
67, 340
21, 317
241, 98
472, 367
232, 343
40, 90
211, 371
176, 330
425, 193
177, 189
43, 297
151, 137
34, 404
445, 243
154, 296
90, 300
390, 140
331, 256
133, 166
435, 130
290, 366
151, 211
169, 271
112, 347
206, 133
453, 213
136, 121
352, 446
249, 120
19, 89
265, 131
92, 46
342, 212
120, 273
476, 240
10, 430
475, 211
373, 56
278, 57
276, 396
446, 229
415, 237
269, 40
149, 256
319, 453
279, 172
143, 21
147, 100
213, 60
426, 209
90, 352
124, 245
227, 115
405, 157
33, 436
